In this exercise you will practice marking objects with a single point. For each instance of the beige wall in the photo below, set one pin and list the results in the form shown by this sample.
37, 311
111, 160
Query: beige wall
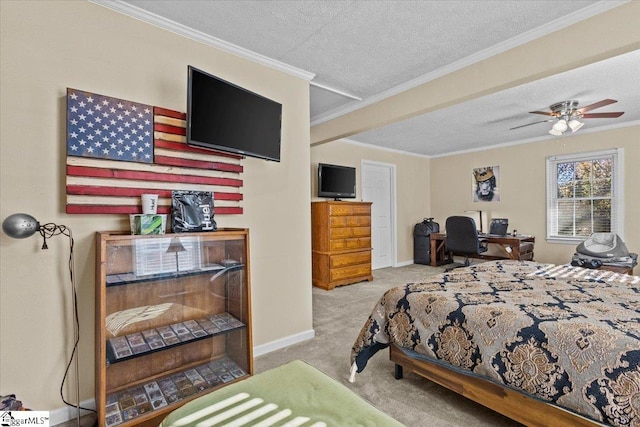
412, 184
523, 185
49, 46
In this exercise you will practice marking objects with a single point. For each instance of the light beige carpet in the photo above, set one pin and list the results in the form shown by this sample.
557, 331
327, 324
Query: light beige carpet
338, 316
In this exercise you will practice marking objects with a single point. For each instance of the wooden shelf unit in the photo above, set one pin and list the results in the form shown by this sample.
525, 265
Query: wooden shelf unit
340, 243
173, 321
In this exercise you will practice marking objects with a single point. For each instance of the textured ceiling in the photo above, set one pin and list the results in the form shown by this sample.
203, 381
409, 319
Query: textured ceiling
360, 51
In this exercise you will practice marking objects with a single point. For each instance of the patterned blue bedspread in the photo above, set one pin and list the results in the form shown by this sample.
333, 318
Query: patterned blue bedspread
566, 335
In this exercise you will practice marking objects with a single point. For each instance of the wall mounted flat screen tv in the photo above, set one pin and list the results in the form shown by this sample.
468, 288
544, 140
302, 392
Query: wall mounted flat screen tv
224, 117
336, 181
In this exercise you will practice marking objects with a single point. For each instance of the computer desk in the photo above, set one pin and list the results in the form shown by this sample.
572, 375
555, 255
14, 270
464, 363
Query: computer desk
519, 247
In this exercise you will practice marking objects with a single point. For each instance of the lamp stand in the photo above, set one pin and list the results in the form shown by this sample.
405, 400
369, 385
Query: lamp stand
20, 226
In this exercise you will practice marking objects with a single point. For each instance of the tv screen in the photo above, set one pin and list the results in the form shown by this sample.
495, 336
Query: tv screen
225, 117
336, 181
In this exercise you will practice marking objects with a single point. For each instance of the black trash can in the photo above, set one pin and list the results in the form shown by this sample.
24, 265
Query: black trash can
421, 244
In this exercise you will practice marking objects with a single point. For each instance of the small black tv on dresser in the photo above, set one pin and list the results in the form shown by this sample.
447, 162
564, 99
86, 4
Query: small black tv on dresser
337, 182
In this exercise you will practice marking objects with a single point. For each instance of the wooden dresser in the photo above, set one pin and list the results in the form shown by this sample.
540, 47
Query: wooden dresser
340, 243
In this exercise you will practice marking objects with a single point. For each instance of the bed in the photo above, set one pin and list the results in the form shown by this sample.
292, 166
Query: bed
542, 344
294, 394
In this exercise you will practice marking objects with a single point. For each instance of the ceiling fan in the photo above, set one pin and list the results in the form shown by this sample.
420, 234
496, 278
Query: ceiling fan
568, 115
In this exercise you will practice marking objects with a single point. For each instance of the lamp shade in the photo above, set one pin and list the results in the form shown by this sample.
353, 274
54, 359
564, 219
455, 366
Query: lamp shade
20, 225
175, 245
575, 125
560, 126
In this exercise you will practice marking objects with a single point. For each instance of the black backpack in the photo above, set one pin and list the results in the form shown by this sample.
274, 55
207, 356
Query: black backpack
421, 244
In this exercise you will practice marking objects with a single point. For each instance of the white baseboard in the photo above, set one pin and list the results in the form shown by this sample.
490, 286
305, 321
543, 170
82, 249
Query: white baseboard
404, 263
67, 413
62, 415
283, 342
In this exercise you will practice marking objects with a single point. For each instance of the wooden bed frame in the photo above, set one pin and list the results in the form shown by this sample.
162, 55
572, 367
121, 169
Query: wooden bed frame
508, 402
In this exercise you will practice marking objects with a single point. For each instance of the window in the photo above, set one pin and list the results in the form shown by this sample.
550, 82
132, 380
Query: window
584, 195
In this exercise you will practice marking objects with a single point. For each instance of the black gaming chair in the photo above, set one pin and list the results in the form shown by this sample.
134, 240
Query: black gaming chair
462, 238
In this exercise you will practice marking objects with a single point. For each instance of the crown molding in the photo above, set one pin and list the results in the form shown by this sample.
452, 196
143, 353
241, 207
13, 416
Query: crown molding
536, 33
542, 138
502, 145
183, 30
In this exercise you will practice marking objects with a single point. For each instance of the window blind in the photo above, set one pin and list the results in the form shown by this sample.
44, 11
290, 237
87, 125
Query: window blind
584, 195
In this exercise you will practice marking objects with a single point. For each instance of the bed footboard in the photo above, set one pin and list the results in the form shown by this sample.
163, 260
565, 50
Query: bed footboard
508, 402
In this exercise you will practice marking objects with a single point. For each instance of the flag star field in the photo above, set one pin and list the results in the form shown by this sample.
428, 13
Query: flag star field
108, 128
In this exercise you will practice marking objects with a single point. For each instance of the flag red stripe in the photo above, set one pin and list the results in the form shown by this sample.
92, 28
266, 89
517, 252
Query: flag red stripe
159, 111
176, 130
198, 164
107, 209
180, 146
88, 190
150, 176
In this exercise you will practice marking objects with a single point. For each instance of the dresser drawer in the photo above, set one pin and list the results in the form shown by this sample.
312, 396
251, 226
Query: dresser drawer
361, 231
348, 232
357, 221
364, 209
350, 209
340, 210
361, 270
349, 221
353, 243
354, 258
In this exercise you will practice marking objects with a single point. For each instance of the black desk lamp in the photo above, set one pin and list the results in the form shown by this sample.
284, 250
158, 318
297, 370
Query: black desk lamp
21, 226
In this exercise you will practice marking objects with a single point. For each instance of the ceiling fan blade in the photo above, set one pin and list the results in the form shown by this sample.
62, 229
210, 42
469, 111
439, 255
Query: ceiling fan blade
544, 113
602, 115
597, 105
534, 123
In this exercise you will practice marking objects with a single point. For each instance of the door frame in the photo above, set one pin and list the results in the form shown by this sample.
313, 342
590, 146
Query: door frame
392, 203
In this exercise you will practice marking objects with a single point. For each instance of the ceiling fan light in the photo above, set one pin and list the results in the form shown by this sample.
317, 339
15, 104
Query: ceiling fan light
555, 132
575, 125
560, 126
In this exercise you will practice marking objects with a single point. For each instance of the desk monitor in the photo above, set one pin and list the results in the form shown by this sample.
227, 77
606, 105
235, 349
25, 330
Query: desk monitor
499, 226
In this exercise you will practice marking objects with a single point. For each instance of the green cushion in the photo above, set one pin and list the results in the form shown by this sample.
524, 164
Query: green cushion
287, 393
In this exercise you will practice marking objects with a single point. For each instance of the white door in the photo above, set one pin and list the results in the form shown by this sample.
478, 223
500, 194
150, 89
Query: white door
378, 186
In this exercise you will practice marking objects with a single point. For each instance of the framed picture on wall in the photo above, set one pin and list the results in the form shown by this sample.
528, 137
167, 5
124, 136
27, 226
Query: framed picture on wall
486, 184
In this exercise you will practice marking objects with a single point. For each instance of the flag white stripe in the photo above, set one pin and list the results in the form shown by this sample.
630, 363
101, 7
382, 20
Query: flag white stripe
155, 185
169, 137
165, 120
133, 201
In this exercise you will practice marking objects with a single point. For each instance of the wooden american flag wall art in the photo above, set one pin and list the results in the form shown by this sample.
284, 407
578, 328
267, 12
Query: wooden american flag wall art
118, 150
